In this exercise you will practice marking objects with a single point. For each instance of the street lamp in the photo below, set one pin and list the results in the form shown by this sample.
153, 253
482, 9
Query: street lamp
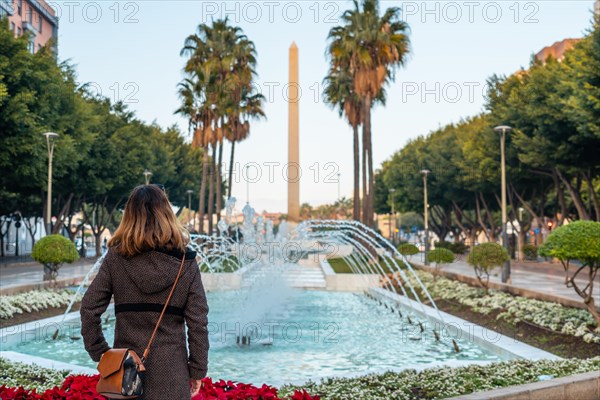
247, 185
189, 193
147, 176
338, 182
503, 129
391, 190
50, 140
426, 172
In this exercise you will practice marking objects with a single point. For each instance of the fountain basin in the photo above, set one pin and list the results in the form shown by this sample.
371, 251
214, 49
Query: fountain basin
314, 334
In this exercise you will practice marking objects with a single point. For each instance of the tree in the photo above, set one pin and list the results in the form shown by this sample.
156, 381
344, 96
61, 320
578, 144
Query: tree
440, 256
371, 47
579, 240
53, 251
484, 258
339, 92
218, 99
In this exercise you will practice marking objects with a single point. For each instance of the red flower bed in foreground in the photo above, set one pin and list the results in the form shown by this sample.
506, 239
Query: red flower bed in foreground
83, 387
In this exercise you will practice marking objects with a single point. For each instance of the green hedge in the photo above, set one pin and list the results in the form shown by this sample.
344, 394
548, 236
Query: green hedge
455, 247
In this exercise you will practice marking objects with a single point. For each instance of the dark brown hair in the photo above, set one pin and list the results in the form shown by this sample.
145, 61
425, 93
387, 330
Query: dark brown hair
148, 223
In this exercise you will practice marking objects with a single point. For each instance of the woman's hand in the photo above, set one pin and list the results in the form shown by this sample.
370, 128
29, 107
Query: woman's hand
195, 385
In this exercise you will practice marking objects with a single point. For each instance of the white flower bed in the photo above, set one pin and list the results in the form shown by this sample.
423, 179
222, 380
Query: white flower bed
14, 374
553, 316
35, 300
441, 383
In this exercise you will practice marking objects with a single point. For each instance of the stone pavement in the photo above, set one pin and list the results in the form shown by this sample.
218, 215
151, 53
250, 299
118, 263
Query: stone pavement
543, 277
19, 274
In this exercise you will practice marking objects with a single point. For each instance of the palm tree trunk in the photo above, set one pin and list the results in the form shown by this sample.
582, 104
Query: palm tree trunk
219, 181
230, 177
364, 193
356, 205
201, 205
369, 146
211, 190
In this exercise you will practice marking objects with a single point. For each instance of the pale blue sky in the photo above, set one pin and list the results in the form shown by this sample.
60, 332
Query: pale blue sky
130, 50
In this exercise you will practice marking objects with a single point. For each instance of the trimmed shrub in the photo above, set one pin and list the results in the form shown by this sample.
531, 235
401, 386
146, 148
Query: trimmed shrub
579, 240
458, 248
530, 252
440, 256
408, 249
454, 247
53, 251
484, 258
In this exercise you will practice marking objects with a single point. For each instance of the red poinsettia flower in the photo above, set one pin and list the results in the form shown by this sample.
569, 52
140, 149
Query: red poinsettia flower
83, 387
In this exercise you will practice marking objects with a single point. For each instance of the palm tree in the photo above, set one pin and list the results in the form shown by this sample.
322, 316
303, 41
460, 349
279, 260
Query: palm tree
221, 62
248, 107
339, 91
191, 92
371, 47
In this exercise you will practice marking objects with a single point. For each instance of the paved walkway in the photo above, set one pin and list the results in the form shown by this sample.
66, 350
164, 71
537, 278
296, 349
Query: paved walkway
30, 273
542, 277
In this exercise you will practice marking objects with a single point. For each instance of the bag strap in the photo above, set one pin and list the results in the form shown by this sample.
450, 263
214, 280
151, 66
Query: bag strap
147, 350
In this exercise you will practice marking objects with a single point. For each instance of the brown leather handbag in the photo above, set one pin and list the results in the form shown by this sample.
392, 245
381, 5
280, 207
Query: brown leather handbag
122, 371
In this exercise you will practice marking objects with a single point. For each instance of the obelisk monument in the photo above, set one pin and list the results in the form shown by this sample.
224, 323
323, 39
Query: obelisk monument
293, 167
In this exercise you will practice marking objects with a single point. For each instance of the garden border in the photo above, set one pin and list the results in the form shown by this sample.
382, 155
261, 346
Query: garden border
504, 287
574, 387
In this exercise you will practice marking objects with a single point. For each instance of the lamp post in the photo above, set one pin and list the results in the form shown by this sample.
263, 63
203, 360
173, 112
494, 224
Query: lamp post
17, 218
189, 193
247, 185
147, 176
503, 129
338, 182
426, 172
50, 141
391, 190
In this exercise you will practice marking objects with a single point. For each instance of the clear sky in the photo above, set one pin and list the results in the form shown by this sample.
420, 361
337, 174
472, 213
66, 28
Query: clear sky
130, 51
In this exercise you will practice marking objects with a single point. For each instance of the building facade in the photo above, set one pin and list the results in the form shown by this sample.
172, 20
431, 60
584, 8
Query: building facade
33, 17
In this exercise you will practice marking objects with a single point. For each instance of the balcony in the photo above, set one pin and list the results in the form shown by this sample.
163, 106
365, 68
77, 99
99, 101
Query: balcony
6, 7
28, 26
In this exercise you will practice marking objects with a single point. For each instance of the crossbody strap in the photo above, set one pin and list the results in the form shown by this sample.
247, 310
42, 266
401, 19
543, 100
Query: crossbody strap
147, 350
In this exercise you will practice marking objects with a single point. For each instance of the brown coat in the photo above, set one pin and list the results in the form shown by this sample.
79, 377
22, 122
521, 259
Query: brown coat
140, 286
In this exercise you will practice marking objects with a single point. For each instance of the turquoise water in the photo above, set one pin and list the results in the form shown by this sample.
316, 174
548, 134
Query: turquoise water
309, 336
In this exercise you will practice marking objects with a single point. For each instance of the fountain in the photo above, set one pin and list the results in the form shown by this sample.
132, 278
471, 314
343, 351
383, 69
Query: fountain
268, 259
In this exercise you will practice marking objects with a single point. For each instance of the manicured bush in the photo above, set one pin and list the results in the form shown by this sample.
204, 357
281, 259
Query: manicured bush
53, 251
454, 247
439, 257
579, 240
484, 258
408, 249
530, 252
458, 247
